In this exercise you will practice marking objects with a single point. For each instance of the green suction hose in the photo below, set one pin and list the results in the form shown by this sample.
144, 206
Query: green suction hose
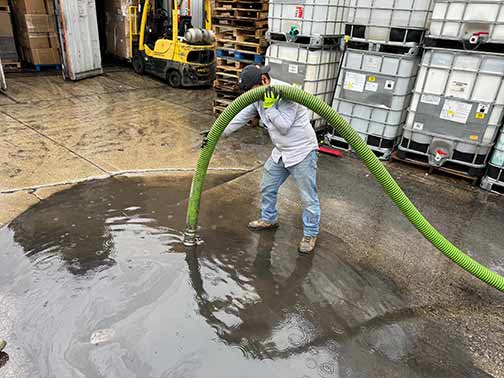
364, 152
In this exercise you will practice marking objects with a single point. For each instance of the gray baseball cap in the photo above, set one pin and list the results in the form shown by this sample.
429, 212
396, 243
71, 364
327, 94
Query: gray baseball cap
251, 75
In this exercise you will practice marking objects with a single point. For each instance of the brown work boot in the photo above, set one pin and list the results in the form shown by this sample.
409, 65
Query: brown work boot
261, 225
307, 244
3, 344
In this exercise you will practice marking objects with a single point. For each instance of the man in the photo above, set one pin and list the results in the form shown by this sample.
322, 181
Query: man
295, 153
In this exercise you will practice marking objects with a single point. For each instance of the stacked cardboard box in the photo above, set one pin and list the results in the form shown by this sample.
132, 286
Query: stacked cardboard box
37, 31
8, 51
117, 28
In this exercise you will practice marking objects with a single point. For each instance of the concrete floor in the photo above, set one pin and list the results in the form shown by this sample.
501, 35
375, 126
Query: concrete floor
377, 300
56, 132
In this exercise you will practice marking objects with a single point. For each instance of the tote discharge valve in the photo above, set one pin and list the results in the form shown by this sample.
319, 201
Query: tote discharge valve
364, 152
168, 46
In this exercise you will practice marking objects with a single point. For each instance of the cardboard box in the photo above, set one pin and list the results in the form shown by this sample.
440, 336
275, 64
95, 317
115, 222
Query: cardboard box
117, 34
38, 40
34, 6
36, 23
4, 3
41, 56
5, 25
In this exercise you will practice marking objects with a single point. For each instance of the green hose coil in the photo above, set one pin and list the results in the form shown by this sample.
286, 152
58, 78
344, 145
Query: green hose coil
363, 151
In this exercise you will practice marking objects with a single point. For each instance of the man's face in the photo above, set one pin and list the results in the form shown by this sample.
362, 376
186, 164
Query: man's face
264, 82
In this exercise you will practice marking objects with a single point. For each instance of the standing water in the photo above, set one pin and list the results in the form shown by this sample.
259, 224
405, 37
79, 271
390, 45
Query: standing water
95, 282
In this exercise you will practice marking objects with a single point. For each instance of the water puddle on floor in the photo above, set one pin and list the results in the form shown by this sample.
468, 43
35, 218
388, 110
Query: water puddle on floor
94, 282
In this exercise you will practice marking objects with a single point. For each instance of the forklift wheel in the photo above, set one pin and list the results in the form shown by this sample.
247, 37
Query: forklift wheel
138, 64
174, 79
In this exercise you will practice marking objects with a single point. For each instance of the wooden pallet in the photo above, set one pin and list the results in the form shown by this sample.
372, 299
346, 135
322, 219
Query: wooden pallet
250, 30
243, 47
259, 24
231, 33
248, 4
221, 102
228, 79
230, 64
240, 56
222, 84
241, 13
11, 65
409, 159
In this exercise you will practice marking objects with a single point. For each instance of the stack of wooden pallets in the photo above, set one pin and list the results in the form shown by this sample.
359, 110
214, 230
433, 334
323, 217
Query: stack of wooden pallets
240, 28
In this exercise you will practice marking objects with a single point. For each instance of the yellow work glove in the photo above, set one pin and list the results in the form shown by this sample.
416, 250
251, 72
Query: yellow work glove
271, 97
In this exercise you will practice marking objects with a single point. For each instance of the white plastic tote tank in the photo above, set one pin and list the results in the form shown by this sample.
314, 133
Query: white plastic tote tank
306, 17
313, 70
457, 107
396, 21
472, 20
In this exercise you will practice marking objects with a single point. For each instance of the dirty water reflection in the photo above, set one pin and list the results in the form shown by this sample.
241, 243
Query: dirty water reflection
93, 284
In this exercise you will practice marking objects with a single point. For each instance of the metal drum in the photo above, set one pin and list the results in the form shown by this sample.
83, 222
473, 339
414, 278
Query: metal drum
386, 21
373, 94
457, 108
313, 70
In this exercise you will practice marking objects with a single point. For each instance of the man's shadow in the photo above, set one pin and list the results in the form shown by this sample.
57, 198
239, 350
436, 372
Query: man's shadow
259, 319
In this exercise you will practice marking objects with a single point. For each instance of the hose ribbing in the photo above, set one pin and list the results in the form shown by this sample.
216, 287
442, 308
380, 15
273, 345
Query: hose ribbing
363, 151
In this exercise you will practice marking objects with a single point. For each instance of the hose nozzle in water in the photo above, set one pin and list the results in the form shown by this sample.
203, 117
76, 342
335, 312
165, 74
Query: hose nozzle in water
376, 167
190, 237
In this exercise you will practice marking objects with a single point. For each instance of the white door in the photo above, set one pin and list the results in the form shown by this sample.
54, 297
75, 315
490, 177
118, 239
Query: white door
3, 83
79, 40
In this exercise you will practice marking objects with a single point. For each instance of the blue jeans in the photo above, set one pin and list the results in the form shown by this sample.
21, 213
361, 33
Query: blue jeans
305, 176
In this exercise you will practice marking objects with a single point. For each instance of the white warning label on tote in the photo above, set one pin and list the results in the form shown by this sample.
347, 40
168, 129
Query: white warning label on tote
354, 82
430, 99
372, 63
293, 68
389, 84
455, 111
418, 126
483, 108
458, 88
373, 87
299, 12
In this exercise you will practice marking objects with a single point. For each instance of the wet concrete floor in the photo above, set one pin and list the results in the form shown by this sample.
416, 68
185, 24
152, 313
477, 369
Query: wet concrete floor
94, 282
56, 132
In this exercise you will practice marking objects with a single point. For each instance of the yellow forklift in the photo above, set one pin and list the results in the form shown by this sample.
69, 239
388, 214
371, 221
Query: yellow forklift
168, 46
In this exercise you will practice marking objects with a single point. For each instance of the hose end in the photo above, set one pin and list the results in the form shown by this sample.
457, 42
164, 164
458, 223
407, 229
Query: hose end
190, 236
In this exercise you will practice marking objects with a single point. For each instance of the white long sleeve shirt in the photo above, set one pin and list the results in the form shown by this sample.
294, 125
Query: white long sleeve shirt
289, 128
